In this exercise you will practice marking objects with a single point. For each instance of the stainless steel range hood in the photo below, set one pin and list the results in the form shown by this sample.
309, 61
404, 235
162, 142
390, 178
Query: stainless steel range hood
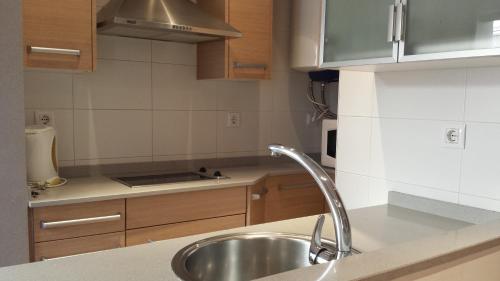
167, 20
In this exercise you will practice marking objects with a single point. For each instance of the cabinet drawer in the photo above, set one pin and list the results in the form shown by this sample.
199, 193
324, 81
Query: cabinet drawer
186, 206
162, 232
293, 196
68, 221
75, 246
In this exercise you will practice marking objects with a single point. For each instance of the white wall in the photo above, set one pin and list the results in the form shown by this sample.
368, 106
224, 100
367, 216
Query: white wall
391, 134
13, 191
144, 104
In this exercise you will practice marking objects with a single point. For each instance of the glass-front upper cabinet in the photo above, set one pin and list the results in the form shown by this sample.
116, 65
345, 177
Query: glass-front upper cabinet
359, 32
444, 29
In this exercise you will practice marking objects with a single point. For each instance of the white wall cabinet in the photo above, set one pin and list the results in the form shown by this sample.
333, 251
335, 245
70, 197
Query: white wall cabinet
413, 34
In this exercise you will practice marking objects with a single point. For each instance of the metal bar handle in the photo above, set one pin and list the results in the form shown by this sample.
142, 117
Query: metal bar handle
390, 24
57, 224
249, 65
399, 22
58, 51
295, 186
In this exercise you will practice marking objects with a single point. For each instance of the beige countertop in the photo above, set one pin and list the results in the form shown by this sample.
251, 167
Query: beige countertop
388, 236
79, 190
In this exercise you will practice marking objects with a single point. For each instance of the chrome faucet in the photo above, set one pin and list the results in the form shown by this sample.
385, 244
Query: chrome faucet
318, 252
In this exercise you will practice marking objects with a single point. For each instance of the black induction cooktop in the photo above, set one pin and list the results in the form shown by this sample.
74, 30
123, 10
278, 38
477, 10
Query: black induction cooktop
164, 178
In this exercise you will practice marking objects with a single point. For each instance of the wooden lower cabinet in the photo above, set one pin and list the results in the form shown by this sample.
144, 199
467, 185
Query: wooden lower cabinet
285, 197
80, 245
162, 232
185, 206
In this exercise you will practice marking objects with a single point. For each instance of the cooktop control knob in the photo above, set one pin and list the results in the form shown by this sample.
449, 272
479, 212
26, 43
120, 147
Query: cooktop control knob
217, 174
202, 170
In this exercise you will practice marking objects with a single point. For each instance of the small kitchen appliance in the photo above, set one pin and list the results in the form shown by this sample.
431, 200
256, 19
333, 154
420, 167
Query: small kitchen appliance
329, 143
41, 157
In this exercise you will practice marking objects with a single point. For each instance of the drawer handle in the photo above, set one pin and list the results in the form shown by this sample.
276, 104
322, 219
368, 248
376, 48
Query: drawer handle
249, 65
295, 186
58, 51
56, 224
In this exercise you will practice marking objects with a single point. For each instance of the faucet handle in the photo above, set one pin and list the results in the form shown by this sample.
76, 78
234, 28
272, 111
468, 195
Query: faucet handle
316, 246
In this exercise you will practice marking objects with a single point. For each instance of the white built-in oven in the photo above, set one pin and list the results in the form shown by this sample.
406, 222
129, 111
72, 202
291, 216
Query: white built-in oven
329, 143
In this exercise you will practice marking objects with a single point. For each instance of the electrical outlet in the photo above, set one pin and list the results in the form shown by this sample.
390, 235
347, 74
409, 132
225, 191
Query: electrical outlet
454, 137
233, 119
44, 118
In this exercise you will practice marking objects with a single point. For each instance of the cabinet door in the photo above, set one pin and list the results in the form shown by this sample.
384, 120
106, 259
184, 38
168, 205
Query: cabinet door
292, 196
357, 33
59, 34
250, 56
443, 29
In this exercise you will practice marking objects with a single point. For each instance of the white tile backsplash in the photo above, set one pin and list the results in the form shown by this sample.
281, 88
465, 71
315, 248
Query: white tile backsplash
481, 165
294, 128
355, 189
115, 85
483, 95
175, 88
409, 112
174, 53
43, 89
410, 151
123, 48
184, 132
354, 144
359, 89
113, 134
237, 95
244, 138
437, 95
144, 104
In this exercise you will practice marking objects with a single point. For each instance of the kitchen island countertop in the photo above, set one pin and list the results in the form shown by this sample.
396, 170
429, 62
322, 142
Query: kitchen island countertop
380, 230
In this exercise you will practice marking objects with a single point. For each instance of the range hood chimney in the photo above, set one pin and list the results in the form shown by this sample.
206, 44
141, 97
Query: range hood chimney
166, 20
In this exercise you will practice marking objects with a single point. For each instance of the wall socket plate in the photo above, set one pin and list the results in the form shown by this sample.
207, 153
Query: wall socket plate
44, 118
233, 119
454, 137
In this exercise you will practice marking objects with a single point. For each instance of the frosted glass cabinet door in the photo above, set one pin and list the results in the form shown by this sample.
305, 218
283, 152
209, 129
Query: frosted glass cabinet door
356, 33
450, 28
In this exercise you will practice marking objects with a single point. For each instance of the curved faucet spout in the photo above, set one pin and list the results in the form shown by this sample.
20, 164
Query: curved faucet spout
327, 186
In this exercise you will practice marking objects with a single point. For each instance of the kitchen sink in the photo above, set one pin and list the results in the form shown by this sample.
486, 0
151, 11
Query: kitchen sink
245, 256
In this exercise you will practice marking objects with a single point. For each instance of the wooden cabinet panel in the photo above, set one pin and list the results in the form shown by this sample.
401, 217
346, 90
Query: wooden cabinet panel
285, 197
292, 196
162, 232
74, 246
254, 50
60, 24
252, 53
256, 212
187, 206
65, 213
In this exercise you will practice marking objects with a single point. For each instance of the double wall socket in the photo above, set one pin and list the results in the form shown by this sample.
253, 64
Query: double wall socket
44, 118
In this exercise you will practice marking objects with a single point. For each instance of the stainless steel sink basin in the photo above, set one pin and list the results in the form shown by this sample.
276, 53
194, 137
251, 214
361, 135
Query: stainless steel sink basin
239, 257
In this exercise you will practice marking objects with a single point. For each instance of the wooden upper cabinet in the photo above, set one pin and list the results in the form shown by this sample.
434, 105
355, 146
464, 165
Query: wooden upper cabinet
60, 34
248, 57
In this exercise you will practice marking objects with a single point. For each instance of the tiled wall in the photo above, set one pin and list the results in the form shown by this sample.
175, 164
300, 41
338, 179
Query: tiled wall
144, 104
391, 130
